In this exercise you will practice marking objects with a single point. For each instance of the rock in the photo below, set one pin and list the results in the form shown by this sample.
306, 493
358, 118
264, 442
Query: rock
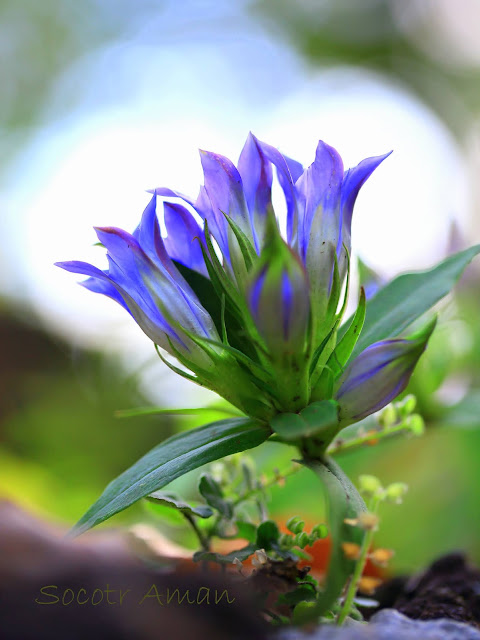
389, 624
54, 588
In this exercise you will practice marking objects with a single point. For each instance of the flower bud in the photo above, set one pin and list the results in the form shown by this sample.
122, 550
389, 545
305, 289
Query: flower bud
378, 375
395, 492
295, 524
407, 406
302, 539
369, 485
416, 424
388, 417
278, 297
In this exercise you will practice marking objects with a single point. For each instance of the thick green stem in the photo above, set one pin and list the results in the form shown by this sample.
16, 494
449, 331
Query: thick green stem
343, 502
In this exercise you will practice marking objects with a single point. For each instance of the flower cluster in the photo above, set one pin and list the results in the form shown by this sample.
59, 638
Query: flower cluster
248, 312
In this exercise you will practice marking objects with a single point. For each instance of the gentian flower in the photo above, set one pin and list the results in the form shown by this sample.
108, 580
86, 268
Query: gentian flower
248, 313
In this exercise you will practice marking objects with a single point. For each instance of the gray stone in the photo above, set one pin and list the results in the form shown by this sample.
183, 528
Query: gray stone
389, 624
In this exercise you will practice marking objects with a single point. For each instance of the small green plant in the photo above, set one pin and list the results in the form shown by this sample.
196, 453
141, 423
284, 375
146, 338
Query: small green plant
257, 315
371, 488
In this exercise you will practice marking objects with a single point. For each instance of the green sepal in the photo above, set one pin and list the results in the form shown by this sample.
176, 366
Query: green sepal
246, 247
178, 371
220, 280
335, 292
345, 346
329, 343
316, 419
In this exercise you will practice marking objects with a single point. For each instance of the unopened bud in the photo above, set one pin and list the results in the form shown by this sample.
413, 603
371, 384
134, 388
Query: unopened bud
388, 416
381, 557
407, 406
320, 531
395, 492
351, 550
302, 539
295, 524
368, 521
368, 584
416, 424
369, 485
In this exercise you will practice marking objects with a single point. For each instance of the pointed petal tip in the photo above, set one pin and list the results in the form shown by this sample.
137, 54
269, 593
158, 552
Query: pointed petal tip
63, 264
383, 156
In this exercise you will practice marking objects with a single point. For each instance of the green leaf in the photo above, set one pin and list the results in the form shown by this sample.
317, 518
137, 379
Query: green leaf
318, 417
267, 535
343, 501
408, 297
300, 594
160, 411
213, 494
170, 500
171, 459
211, 556
246, 531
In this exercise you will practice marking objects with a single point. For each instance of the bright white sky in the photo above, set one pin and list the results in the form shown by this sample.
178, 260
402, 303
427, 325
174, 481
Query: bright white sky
165, 102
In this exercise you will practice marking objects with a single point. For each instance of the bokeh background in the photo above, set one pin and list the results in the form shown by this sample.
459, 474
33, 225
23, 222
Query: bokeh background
104, 99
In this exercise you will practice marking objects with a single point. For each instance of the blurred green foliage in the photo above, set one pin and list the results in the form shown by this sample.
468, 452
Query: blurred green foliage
390, 37
60, 442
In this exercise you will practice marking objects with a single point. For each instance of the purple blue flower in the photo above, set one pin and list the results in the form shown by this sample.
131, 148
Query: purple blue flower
272, 319
144, 280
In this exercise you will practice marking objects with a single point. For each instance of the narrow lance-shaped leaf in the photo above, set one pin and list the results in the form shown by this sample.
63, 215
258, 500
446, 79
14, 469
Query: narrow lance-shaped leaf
172, 459
408, 297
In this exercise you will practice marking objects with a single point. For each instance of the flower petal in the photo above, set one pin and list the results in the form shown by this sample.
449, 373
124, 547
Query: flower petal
288, 172
148, 317
185, 237
224, 188
353, 180
157, 287
256, 173
320, 189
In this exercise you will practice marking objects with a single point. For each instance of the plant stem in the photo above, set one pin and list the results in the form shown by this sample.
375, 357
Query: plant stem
270, 483
359, 567
346, 445
204, 542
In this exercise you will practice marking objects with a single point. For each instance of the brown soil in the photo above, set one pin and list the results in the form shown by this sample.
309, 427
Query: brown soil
449, 588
